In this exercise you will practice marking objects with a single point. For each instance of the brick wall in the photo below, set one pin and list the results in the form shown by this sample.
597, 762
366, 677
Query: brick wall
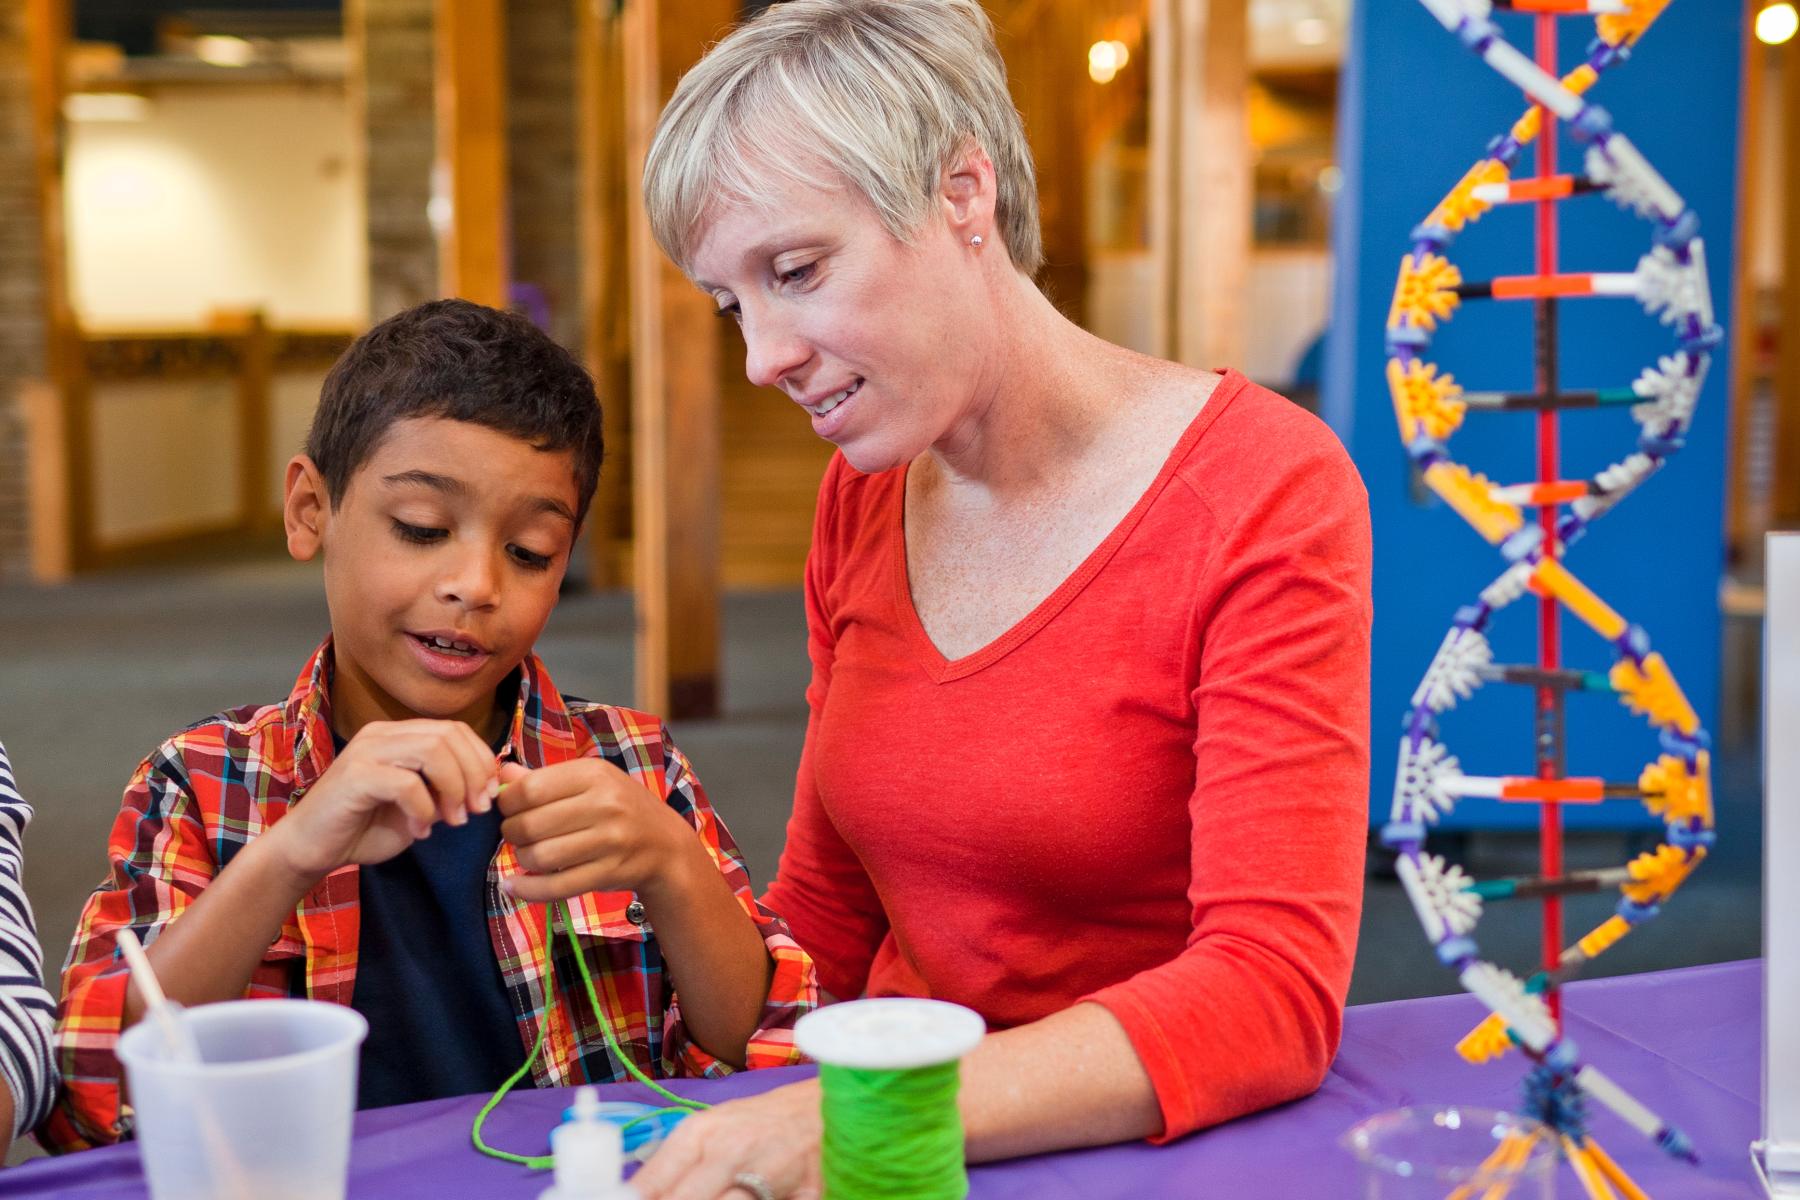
541, 174
394, 41
22, 333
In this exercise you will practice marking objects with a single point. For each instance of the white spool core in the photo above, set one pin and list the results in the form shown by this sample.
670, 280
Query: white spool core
894, 1034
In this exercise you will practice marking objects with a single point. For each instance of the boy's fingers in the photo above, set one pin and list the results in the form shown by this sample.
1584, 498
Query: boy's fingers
428, 758
531, 825
406, 791
555, 854
478, 765
541, 889
546, 785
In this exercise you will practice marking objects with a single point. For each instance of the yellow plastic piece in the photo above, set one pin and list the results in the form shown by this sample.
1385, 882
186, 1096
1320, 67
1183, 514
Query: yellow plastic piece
1657, 873
1486, 1042
1580, 79
1472, 497
1593, 1180
1629, 26
1604, 936
1511, 1154
1551, 576
1653, 692
1425, 293
1424, 400
1614, 1173
1673, 794
1527, 127
1461, 207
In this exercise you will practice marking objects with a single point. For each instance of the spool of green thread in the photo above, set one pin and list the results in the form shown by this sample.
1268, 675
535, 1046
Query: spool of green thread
888, 1075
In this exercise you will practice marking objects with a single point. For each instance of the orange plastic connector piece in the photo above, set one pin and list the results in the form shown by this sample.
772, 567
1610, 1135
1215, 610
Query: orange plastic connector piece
1615, 1174
1604, 937
1587, 1172
1673, 794
1537, 287
1628, 26
1653, 692
1656, 874
1461, 207
1472, 497
1575, 790
1486, 1042
1424, 401
1426, 292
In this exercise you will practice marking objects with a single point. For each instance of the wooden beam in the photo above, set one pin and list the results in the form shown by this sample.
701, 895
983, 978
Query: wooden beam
255, 401
470, 71
1200, 178
1784, 502
61, 497
601, 207
675, 395
1741, 391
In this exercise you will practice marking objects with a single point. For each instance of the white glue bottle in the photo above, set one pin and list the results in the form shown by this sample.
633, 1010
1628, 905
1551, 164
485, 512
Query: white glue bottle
589, 1153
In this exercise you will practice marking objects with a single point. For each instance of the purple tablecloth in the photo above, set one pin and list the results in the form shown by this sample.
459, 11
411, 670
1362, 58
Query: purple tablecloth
1687, 1042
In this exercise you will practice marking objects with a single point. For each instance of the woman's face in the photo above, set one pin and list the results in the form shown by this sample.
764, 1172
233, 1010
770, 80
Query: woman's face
878, 340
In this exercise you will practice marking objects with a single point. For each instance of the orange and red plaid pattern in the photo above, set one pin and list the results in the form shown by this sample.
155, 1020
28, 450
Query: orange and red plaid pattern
208, 790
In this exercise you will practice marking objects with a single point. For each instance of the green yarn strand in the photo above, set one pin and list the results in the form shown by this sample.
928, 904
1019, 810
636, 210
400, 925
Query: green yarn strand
559, 914
893, 1135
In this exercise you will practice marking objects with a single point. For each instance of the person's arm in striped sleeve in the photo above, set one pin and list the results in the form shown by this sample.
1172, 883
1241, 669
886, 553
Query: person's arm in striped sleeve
26, 1010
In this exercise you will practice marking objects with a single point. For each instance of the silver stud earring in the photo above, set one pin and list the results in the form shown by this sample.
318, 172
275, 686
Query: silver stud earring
975, 241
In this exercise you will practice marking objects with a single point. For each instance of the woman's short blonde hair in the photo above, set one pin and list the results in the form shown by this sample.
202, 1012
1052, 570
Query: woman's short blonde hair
885, 94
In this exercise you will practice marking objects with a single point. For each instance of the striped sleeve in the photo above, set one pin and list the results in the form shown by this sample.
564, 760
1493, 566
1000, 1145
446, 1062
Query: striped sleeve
26, 1010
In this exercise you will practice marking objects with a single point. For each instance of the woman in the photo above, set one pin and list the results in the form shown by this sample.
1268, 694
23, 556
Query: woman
27, 1069
1088, 744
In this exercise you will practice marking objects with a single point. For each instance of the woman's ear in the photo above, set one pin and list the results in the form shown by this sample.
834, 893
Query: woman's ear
967, 194
305, 508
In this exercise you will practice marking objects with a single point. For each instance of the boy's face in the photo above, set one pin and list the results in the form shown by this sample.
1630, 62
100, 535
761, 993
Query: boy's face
442, 563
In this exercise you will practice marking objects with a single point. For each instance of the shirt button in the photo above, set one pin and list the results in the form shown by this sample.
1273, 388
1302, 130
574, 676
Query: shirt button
634, 912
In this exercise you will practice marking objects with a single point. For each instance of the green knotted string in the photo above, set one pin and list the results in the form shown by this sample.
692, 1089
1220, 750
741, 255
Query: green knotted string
559, 914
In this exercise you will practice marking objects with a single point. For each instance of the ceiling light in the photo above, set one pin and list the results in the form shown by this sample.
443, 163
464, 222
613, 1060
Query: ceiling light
105, 106
1777, 23
1312, 31
223, 51
1104, 60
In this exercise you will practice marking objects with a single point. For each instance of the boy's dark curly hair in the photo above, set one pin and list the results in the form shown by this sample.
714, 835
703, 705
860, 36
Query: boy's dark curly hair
466, 362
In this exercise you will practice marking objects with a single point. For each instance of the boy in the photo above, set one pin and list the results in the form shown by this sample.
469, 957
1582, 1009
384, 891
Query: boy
354, 844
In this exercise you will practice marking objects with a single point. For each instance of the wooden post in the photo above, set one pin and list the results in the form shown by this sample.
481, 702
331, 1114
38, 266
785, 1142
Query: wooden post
1784, 501
602, 206
255, 384
60, 496
1200, 178
675, 396
471, 151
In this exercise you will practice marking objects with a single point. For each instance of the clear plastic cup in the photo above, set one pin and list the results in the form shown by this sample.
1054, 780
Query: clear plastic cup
267, 1112
1454, 1153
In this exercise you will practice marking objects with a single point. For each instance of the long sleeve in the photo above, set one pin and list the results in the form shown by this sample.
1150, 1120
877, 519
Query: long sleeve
821, 887
793, 987
26, 1011
160, 861
1249, 1015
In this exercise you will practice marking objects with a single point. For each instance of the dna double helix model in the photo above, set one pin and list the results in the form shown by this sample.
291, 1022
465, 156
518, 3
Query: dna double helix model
1561, 1088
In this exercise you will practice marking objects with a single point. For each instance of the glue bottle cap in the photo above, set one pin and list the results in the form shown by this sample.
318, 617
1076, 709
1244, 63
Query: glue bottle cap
589, 1153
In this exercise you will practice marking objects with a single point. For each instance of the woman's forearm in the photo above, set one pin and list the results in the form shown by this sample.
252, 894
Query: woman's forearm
1071, 1079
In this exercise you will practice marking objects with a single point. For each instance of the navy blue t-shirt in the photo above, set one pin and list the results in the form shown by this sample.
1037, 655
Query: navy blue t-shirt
440, 1023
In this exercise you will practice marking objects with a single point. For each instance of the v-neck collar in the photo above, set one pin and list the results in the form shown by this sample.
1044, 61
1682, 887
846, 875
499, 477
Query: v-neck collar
947, 670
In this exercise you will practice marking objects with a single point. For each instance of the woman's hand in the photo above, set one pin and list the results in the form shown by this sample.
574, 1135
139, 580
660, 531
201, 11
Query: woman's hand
774, 1135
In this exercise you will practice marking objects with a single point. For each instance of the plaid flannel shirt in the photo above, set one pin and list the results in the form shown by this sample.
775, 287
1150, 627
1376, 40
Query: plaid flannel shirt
208, 790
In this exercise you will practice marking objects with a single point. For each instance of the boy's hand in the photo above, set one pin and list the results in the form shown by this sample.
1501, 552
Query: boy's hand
585, 826
392, 782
